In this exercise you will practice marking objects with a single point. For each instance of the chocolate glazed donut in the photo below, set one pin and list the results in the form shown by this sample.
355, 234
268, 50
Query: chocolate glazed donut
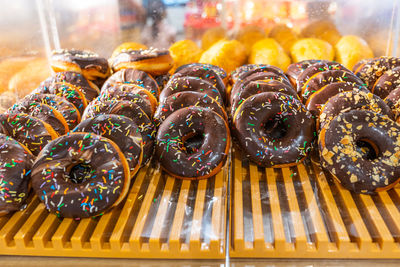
258, 76
256, 87
360, 149
133, 76
193, 143
274, 129
352, 100
219, 71
121, 130
181, 84
244, 71
80, 175
15, 174
89, 89
295, 69
388, 82
321, 79
393, 101
316, 68
185, 99
204, 73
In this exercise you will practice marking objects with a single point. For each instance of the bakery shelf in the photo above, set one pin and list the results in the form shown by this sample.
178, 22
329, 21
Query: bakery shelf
162, 217
300, 212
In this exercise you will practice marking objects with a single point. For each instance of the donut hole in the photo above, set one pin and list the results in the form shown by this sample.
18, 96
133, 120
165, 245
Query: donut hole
275, 128
79, 173
192, 142
368, 149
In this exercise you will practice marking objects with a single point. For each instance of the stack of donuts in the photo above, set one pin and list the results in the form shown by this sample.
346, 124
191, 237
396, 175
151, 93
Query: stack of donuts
193, 138
269, 122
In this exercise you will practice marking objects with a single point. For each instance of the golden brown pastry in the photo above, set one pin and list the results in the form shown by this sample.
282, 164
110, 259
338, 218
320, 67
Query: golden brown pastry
211, 36
249, 35
184, 52
351, 49
311, 48
284, 35
127, 46
268, 51
10, 66
322, 29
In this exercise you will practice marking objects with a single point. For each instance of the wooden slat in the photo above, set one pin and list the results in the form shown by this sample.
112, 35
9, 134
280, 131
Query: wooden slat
81, 233
154, 241
391, 208
297, 222
238, 233
63, 232
217, 210
279, 231
258, 226
194, 241
43, 234
97, 238
174, 239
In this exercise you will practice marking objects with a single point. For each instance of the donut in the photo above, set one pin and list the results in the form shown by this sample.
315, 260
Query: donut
66, 90
388, 82
15, 174
90, 64
295, 69
274, 129
360, 149
43, 112
126, 46
153, 61
371, 70
162, 80
256, 87
122, 131
80, 175
29, 131
258, 76
318, 99
133, 76
132, 93
245, 71
352, 100
89, 89
393, 101
205, 73
269, 51
193, 143
219, 71
314, 69
321, 79
134, 112
185, 99
311, 48
67, 109
187, 83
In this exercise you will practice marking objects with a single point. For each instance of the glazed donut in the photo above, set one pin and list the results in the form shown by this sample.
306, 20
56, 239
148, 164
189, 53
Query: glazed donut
132, 93
153, 61
258, 76
352, 100
193, 143
371, 70
91, 65
80, 175
67, 109
295, 69
187, 83
66, 90
205, 73
30, 131
361, 149
219, 71
244, 71
274, 129
185, 99
89, 89
122, 131
162, 80
314, 69
256, 87
15, 174
393, 101
131, 110
133, 76
388, 82
321, 79
318, 99
43, 112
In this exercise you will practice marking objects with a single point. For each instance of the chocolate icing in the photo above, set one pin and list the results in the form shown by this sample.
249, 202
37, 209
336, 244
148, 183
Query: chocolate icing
341, 152
388, 82
221, 72
15, 174
138, 77
172, 137
185, 99
122, 130
28, 130
243, 71
295, 69
104, 181
274, 129
393, 101
181, 84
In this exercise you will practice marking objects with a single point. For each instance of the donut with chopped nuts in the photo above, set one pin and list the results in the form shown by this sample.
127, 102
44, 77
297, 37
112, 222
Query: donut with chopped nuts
387, 83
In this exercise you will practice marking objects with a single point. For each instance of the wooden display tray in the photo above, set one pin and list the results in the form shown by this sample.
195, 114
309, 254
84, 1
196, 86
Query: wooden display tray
300, 212
162, 217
